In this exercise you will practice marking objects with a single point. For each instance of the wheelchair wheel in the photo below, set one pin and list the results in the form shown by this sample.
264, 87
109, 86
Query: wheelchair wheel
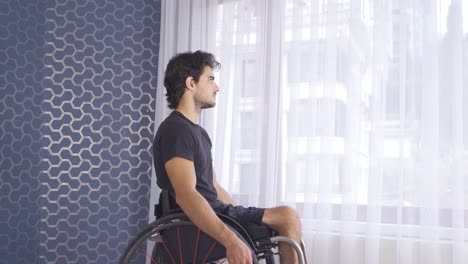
159, 254
174, 239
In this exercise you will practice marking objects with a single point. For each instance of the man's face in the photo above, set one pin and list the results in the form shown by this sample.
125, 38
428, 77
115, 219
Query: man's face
206, 89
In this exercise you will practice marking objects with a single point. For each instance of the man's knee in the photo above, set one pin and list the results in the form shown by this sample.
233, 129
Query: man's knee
282, 218
291, 217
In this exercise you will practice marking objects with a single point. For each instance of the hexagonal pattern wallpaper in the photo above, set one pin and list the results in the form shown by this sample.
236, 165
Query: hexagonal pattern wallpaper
77, 88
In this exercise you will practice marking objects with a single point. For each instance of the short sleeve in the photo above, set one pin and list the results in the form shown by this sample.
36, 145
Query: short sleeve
177, 141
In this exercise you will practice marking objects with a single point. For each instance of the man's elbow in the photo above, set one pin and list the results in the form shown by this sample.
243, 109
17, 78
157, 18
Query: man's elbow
186, 198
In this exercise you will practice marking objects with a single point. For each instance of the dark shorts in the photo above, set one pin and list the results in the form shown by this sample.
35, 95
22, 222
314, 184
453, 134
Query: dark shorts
245, 216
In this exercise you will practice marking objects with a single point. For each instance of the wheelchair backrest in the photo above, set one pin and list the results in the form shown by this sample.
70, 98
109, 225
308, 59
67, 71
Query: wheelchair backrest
167, 205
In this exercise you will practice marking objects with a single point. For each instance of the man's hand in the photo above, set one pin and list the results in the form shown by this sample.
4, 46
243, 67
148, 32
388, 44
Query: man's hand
238, 252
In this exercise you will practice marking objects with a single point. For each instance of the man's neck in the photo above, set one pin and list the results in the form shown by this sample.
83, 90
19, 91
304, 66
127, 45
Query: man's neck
192, 115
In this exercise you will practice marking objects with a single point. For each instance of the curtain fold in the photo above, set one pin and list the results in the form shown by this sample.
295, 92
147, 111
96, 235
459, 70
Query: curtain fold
353, 112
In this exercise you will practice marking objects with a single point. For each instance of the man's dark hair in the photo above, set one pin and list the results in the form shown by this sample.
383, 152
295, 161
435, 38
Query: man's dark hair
182, 66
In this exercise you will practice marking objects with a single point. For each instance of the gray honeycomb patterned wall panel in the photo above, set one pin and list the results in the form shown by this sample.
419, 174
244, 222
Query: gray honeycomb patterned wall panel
22, 48
78, 81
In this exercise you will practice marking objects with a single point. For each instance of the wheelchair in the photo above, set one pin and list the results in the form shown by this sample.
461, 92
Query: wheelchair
173, 238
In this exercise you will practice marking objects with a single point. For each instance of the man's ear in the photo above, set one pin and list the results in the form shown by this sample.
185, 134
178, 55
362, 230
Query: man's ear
189, 83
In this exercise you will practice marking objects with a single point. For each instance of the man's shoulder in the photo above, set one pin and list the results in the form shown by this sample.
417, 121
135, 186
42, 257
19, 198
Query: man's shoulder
174, 120
173, 125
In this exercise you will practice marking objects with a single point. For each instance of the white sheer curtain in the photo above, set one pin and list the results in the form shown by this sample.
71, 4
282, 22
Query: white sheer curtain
354, 112
185, 26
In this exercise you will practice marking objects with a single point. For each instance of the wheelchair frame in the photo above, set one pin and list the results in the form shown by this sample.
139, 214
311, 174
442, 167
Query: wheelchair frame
261, 249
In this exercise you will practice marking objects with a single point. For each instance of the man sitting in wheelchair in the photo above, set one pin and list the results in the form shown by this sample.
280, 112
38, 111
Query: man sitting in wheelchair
183, 162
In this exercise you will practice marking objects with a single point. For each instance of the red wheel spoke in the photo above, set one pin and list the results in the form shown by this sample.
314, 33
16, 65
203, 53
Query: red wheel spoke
149, 256
168, 252
209, 252
196, 247
180, 245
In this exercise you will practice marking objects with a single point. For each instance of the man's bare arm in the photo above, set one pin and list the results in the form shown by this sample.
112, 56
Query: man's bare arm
223, 195
183, 179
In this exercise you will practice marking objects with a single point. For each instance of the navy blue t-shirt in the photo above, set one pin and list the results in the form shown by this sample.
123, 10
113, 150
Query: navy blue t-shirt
177, 136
